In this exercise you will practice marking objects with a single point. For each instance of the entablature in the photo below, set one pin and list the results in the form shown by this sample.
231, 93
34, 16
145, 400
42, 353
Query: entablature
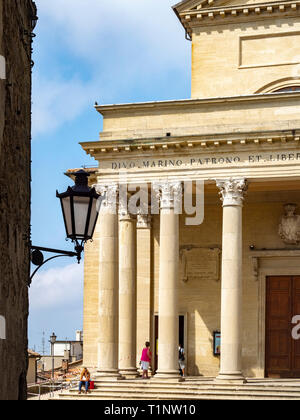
192, 144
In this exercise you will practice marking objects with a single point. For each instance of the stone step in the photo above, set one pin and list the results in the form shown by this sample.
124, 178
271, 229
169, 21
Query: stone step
166, 384
190, 392
194, 385
180, 396
179, 389
191, 389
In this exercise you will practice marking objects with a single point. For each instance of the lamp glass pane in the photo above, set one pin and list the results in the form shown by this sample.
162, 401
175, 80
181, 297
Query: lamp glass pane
81, 207
94, 214
67, 213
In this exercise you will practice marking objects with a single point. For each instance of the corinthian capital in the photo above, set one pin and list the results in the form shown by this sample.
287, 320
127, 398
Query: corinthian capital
143, 220
110, 194
169, 193
232, 191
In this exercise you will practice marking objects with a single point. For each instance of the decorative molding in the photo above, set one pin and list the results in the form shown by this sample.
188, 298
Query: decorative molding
255, 266
179, 103
144, 221
280, 84
232, 191
110, 194
257, 256
200, 262
123, 209
205, 12
169, 194
289, 227
188, 142
264, 60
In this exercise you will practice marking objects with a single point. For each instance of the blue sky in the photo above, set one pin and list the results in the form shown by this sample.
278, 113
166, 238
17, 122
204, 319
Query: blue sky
109, 51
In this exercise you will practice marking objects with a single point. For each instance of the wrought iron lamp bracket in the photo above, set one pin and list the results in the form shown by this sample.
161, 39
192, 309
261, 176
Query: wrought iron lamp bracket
37, 256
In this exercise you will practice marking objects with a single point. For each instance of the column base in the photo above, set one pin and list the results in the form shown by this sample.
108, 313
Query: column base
109, 375
231, 378
171, 375
129, 373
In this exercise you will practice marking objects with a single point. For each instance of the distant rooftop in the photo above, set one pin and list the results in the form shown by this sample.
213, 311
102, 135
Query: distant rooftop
32, 353
91, 170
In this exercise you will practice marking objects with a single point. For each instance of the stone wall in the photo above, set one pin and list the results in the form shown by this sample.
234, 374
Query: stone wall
245, 58
15, 137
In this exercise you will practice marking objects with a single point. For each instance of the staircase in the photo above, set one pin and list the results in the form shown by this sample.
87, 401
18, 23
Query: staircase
191, 389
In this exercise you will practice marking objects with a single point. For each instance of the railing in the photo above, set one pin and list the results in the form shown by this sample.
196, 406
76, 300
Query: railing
51, 386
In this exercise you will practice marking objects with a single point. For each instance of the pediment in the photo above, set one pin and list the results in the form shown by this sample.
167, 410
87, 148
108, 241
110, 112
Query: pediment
193, 13
190, 6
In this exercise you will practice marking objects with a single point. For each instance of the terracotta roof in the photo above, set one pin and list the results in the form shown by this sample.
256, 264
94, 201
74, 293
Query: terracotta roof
89, 170
70, 172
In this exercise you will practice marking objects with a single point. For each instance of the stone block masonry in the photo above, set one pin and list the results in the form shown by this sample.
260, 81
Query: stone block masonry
16, 17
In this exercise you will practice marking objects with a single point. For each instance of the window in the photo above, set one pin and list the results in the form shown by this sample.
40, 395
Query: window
288, 89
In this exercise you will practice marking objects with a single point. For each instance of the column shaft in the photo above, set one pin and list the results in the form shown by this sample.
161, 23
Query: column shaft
143, 283
108, 289
127, 297
168, 284
231, 294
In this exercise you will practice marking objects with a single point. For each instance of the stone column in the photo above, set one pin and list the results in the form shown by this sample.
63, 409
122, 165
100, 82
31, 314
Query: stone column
127, 293
144, 272
108, 284
232, 194
170, 195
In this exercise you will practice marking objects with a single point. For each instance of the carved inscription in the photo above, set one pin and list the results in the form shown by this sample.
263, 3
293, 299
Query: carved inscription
200, 263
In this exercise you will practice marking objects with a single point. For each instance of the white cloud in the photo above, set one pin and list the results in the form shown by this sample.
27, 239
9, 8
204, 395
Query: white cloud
57, 287
57, 101
121, 44
92, 26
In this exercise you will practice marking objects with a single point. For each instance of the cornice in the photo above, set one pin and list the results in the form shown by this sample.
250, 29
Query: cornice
192, 144
146, 106
208, 14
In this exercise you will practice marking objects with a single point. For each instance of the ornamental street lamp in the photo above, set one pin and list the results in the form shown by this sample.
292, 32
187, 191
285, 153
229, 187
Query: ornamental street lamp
80, 210
80, 207
52, 341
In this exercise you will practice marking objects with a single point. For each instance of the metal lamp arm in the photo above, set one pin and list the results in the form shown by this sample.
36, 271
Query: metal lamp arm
49, 259
61, 253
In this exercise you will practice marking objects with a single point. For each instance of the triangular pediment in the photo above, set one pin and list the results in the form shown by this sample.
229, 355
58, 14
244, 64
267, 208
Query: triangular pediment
193, 13
190, 6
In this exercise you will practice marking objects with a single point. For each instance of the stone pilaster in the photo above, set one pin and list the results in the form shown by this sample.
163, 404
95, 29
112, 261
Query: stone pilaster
232, 193
170, 196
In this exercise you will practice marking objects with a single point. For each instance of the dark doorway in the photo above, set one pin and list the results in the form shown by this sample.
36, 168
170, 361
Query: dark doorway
282, 304
181, 338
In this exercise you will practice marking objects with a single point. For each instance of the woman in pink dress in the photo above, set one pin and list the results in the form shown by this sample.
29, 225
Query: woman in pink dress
146, 360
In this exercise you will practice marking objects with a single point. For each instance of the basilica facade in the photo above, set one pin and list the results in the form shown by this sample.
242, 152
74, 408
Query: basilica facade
227, 287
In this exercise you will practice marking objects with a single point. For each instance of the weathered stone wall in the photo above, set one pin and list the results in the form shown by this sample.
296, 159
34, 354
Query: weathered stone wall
15, 138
